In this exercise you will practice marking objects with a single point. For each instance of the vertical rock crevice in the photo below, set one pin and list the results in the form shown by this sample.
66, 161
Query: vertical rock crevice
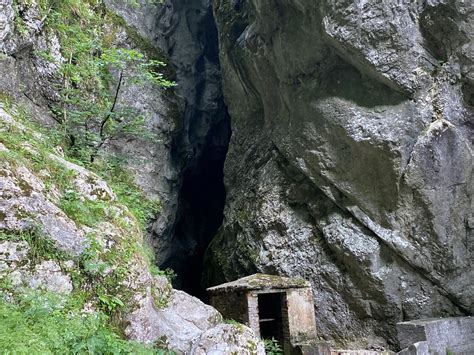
199, 151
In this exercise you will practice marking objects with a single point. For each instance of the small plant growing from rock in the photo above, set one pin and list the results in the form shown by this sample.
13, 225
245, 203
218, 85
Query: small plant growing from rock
272, 347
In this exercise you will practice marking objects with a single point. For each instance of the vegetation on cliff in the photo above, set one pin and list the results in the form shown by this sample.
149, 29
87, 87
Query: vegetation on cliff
107, 217
88, 317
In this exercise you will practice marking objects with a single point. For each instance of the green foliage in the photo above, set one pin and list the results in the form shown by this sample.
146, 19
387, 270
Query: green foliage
128, 193
43, 323
41, 248
272, 347
92, 76
107, 269
110, 303
83, 211
232, 322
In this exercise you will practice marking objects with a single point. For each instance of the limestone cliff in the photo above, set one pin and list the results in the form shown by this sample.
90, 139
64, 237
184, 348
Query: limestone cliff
72, 241
350, 162
351, 158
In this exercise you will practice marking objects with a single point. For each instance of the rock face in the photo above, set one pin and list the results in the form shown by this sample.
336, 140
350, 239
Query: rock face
156, 169
6, 19
184, 129
189, 36
46, 275
42, 247
228, 339
185, 171
25, 76
437, 336
351, 161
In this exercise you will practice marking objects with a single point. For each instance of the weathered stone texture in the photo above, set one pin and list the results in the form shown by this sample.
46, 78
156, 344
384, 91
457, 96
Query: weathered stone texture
228, 339
188, 326
6, 20
301, 319
351, 159
184, 319
49, 276
22, 209
437, 336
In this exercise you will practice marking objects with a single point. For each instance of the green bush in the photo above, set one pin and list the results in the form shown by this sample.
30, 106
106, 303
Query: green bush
91, 76
42, 323
83, 211
272, 347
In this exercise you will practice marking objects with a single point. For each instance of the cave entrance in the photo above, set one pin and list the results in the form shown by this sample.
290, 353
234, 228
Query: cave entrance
202, 202
200, 148
202, 198
271, 308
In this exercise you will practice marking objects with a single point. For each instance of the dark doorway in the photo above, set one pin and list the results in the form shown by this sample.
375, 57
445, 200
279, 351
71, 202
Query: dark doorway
270, 314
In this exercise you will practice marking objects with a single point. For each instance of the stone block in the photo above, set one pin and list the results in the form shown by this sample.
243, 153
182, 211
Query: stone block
454, 335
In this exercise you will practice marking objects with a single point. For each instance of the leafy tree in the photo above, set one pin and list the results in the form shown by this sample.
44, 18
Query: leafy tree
92, 76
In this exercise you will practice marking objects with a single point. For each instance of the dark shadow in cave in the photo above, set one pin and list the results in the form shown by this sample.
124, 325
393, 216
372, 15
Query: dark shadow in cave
200, 149
202, 200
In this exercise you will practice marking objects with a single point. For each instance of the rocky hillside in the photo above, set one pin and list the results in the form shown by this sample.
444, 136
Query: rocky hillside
351, 158
86, 128
147, 143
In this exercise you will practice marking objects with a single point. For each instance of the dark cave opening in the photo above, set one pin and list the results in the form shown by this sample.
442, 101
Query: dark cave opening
200, 150
202, 200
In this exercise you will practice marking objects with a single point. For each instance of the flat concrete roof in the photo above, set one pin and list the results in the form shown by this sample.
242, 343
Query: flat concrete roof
260, 282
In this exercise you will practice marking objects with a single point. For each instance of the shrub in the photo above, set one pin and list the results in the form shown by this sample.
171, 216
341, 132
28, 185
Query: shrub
272, 347
91, 77
43, 323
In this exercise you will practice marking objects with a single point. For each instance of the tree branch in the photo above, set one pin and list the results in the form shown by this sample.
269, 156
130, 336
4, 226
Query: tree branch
106, 119
112, 109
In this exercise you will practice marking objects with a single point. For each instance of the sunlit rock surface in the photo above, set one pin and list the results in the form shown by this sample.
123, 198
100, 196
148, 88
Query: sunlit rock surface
350, 163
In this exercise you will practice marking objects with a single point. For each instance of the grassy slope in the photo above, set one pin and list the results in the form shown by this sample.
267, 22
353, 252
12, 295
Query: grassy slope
40, 322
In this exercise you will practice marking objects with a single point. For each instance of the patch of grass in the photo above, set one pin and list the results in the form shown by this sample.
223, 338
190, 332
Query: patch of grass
128, 193
43, 323
232, 322
41, 248
83, 211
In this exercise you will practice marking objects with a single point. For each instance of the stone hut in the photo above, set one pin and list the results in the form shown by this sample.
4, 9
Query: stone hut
272, 306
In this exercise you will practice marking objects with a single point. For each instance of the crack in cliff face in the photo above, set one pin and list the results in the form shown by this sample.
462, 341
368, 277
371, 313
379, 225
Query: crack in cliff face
199, 151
